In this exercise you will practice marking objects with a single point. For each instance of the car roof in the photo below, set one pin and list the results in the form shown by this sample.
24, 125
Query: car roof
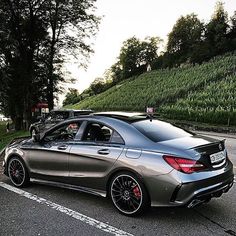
119, 123
74, 110
124, 116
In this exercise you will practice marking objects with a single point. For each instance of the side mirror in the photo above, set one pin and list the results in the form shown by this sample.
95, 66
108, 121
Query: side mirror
36, 138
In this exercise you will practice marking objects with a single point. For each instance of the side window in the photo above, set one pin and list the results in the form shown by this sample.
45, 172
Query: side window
63, 133
116, 138
96, 132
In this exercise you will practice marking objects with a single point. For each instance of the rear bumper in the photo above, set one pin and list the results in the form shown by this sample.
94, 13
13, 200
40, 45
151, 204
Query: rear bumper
191, 194
215, 191
179, 189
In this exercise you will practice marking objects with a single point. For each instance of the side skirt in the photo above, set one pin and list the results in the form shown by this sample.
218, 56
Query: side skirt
69, 186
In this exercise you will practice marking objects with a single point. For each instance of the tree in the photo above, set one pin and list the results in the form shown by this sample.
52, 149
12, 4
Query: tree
135, 56
72, 97
216, 31
22, 31
98, 85
232, 32
186, 34
71, 24
149, 50
35, 38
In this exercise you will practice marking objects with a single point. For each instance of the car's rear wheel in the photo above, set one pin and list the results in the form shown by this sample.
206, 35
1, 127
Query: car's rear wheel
128, 194
17, 172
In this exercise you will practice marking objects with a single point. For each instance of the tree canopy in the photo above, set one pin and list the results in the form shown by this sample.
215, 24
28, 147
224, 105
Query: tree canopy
35, 38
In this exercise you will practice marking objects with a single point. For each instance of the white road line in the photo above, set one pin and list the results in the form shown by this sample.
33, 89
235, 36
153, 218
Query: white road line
74, 214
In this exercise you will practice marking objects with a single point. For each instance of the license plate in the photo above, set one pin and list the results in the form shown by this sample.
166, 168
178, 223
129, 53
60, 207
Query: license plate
217, 157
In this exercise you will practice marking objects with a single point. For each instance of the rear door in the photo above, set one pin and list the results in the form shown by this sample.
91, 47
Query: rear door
92, 157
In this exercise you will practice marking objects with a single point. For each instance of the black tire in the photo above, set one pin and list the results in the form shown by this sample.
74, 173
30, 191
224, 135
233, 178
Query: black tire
128, 194
18, 172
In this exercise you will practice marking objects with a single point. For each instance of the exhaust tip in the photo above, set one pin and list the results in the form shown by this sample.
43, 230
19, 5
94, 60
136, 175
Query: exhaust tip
195, 202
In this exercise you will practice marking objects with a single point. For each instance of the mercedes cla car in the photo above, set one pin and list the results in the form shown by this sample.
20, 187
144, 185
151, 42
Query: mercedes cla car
134, 159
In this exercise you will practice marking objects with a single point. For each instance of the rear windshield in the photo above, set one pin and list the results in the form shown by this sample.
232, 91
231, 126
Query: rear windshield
159, 131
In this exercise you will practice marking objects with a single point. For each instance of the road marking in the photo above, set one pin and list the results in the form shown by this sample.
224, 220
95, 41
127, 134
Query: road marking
74, 214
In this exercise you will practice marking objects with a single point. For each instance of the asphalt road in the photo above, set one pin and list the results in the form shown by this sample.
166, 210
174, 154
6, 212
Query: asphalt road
44, 210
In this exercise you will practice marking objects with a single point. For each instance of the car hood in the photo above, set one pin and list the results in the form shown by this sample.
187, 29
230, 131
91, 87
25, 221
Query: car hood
19, 141
191, 142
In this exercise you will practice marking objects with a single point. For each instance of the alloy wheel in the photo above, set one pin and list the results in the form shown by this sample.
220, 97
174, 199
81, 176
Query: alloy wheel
17, 172
126, 194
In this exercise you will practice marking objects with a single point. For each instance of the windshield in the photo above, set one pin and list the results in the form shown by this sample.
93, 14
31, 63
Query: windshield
159, 131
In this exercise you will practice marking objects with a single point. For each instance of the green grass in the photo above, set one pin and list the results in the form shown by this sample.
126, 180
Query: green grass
207, 89
5, 137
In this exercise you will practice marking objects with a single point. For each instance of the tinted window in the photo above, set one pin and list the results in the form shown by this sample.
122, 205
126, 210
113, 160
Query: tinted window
65, 132
159, 131
97, 132
116, 138
100, 133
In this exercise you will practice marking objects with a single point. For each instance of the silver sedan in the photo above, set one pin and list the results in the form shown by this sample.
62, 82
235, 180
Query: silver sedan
132, 158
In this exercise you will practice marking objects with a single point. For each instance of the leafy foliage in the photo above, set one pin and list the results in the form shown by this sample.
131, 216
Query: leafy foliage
135, 56
35, 38
72, 97
185, 38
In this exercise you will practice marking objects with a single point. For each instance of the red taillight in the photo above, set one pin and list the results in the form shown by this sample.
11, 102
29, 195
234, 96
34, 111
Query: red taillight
184, 165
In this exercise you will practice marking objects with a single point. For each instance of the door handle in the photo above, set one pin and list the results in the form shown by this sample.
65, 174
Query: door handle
104, 151
62, 147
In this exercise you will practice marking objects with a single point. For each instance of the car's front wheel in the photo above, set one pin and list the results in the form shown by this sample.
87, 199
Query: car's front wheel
128, 194
17, 172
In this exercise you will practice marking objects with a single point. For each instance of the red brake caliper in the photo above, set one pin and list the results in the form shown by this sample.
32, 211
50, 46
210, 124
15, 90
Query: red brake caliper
136, 192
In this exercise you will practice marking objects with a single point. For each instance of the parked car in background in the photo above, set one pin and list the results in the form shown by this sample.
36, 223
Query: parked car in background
134, 159
54, 117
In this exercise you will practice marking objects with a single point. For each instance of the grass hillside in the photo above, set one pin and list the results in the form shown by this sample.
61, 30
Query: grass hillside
203, 93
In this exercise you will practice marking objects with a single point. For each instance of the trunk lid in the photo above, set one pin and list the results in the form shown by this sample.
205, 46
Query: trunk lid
211, 152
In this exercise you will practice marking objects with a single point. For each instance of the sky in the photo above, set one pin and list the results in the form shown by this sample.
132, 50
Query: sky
123, 19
